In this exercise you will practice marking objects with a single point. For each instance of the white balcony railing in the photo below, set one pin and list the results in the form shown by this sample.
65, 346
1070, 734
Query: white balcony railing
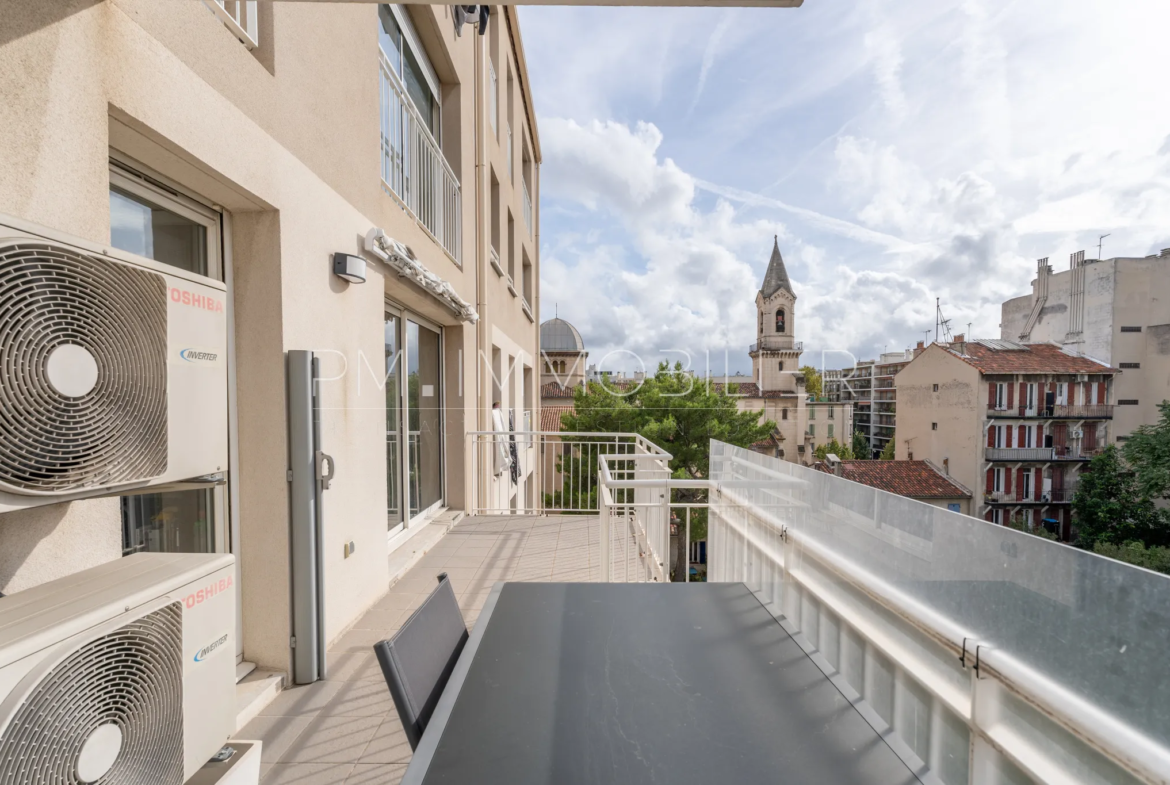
566, 465
239, 16
527, 205
414, 168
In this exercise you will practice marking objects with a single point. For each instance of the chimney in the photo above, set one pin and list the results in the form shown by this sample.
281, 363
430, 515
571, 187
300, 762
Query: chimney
947, 466
960, 338
920, 348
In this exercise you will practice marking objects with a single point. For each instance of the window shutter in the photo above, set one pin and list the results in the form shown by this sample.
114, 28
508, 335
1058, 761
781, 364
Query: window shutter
990, 480
1010, 393
1100, 392
1007, 481
1021, 439
1008, 437
991, 395
991, 436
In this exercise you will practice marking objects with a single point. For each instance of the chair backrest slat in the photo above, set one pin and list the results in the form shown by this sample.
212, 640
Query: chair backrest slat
419, 658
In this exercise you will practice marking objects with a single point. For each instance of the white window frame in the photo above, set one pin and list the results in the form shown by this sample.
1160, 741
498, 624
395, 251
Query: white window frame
1000, 396
124, 177
997, 483
493, 98
1062, 393
410, 38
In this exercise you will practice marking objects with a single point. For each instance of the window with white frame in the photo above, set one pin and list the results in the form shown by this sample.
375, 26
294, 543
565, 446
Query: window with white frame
493, 97
160, 224
1000, 396
409, 62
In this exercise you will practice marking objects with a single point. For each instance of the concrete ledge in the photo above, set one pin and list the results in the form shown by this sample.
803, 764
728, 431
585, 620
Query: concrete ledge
254, 693
243, 768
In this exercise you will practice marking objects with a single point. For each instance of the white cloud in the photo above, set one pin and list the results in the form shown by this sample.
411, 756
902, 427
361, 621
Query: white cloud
931, 153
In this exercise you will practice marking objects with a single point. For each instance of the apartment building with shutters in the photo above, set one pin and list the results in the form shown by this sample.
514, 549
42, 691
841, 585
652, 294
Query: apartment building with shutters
1018, 422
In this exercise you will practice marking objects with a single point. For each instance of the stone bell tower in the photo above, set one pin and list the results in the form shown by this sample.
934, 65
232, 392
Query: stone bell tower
776, 354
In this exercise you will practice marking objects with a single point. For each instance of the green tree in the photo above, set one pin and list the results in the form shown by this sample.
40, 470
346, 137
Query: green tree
888, 450
861, 448
1109, 507
673, 410
1155, 557
813, 384
842, 451
1147, 451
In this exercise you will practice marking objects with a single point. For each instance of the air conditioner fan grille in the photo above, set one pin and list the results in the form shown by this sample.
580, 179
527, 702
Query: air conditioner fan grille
133, 678
53, 296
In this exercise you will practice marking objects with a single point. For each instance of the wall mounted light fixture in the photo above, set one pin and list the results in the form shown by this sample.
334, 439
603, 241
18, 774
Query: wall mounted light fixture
349, 267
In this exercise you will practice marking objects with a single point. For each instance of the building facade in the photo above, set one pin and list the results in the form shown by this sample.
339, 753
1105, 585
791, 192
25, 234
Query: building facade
1014, 422
250, 151
1113, 310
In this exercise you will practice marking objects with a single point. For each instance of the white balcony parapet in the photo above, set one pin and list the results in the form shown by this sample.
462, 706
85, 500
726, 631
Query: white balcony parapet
979, 649
414, 168
239, 16
402, 259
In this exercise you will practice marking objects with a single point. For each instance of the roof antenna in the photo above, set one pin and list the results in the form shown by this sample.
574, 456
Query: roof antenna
1100, 240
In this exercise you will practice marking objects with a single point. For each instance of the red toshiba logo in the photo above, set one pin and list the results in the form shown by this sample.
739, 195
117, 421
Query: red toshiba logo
207, 592
183, 297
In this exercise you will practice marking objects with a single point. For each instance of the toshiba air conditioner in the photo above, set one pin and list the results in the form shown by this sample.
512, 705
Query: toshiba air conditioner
113, 371
124, 673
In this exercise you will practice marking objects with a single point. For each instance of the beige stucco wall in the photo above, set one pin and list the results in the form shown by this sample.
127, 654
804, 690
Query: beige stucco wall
956, 408
286, 140
1119, 292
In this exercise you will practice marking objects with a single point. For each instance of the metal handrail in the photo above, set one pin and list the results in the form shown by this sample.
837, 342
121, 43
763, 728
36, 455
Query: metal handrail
414, 168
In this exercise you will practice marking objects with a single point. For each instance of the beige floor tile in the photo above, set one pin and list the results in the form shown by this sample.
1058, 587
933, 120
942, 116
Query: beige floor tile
302, 701
332, 739
369, 698
352, 665
389, 744
277, 733
399, 599
307, 774
386, 621
376, 774
361, 640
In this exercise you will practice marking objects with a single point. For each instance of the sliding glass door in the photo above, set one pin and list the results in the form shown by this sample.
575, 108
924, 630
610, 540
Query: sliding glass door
414, 419
394, 463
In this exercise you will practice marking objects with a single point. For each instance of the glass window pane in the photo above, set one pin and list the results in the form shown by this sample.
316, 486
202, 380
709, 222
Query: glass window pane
390, 38
148, 230
419, 91
393, 415
424, 397
169, 522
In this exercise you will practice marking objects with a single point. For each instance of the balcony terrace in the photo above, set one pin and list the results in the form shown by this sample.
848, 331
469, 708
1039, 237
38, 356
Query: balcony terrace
777, 343
1095, 411
978, 654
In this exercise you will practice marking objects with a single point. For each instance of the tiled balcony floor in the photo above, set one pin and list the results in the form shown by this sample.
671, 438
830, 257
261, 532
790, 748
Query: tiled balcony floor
344, 730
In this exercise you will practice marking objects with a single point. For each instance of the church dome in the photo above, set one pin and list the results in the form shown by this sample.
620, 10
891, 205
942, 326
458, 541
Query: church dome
557, 335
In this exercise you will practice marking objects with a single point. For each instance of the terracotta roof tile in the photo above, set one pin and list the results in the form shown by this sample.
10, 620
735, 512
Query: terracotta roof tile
550, 417
1033, 358
915, 479
555, 390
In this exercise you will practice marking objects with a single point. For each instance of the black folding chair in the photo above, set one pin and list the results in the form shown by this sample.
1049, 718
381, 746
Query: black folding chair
419, 659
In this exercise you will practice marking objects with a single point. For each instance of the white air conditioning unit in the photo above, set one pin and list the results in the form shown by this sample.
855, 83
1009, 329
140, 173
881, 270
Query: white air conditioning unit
113, 370
124, 673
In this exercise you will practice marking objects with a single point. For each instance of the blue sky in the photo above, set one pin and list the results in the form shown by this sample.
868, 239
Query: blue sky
901, 151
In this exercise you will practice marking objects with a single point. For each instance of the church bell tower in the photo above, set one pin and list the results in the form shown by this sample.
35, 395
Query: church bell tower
776, 354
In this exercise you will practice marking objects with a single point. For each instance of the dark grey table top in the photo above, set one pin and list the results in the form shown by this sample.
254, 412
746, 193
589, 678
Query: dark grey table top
643, 683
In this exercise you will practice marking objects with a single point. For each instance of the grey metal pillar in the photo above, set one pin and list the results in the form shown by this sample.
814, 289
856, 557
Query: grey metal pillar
307, 480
